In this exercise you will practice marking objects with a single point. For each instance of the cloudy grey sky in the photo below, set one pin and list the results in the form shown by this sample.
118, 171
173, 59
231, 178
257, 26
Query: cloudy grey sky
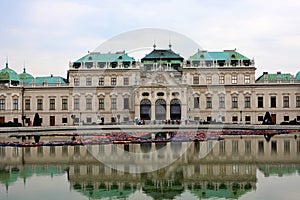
46, 35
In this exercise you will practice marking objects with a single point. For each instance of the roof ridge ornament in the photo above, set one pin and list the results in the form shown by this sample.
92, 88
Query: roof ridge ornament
154, 45
6, 64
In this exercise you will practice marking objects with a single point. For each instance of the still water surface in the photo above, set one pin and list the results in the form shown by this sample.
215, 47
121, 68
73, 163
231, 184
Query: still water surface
243, 168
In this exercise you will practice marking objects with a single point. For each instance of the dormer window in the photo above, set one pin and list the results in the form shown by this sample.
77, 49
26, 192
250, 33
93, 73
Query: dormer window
233, 56
88, 65
202, 56
90, 58
120, 57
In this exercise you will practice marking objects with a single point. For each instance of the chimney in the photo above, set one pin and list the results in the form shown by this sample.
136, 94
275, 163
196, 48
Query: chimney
278, 72
265, 73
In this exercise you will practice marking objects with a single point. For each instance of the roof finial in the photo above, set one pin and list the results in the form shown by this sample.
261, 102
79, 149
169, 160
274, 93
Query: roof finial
154, 45
170, 45
6, 62
24, 70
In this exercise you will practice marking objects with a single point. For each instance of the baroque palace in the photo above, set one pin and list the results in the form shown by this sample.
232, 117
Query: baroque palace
116, 88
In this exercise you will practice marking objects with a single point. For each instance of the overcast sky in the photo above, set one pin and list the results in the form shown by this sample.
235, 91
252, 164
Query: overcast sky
46, 35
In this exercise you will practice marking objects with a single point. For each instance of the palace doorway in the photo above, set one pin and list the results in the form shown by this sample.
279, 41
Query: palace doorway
145, 109
160, 109
175, 109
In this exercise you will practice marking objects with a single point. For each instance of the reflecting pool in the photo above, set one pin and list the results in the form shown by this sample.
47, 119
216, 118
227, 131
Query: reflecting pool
247, 167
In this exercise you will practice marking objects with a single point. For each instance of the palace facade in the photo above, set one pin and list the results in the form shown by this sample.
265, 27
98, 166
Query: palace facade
116, 88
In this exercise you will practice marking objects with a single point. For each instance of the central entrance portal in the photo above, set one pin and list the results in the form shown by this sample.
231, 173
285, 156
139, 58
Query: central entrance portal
145, 109
175, 109
160, 109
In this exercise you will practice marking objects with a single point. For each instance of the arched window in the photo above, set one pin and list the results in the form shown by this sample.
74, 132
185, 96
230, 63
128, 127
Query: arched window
175, 109
145, 109
160, 109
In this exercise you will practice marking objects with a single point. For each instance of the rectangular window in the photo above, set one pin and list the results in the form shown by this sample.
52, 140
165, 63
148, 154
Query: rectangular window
221, 102
76, 82
101, 81
64, 120
89, 120
64, 150
113, 103
247, 102
286, 101
208, 79
260, 118
126, 103
2, 104
76, 120
113, 81
196, 102
208, 118
234, 119
88, 104
16, 120
247, 119
15, 104
261, 147
196, 80
27, 104
64, 104
235, 146
234, 79
101, 104
52, 104
248, 147
222, 147
89, 81
287, 147
208, 102
76, 104
297, 101
234, 102
247, 79
274, 147
39, 104
260, 102
221, 79
286, 118
126, 81
273, 101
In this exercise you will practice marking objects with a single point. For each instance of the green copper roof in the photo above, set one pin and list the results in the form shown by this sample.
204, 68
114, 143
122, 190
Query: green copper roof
48, 80
8, 74
222, 193
225, 55
162, 54
106, 57
101, 193
274, 77
297, 77
25, 77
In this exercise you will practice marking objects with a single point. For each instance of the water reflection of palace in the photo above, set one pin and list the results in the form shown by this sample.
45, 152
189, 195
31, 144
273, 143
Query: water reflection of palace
208, 169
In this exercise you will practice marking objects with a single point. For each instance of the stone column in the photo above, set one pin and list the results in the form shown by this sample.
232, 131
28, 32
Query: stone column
152, 110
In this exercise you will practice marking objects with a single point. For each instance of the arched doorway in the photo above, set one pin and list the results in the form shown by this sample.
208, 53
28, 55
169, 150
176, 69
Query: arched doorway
145, 109
160, 109
175, 109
